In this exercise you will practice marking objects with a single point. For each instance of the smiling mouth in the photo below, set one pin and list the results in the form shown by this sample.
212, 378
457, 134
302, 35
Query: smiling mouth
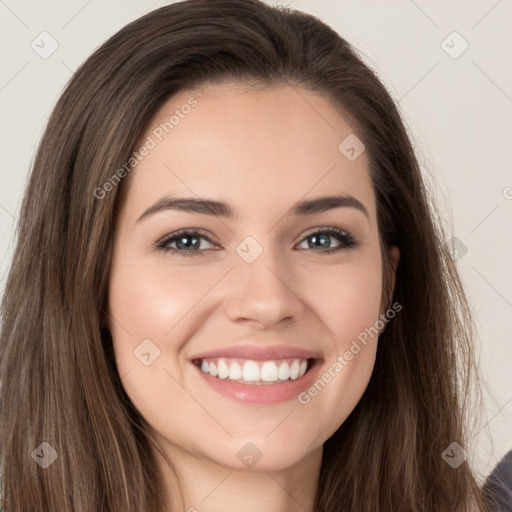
252, 372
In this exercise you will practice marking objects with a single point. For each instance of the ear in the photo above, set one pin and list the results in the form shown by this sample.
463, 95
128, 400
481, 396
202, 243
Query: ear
393, 259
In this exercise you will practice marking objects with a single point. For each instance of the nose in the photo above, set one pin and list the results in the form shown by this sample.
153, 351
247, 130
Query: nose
263, 293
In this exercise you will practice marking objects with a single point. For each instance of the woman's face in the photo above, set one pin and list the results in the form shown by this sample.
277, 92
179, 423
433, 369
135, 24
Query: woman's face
231, 275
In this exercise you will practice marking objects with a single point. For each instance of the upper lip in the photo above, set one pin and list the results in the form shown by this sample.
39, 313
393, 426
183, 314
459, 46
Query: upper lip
259, 352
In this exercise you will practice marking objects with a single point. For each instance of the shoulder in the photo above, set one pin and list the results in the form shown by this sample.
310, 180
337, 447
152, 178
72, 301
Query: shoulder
498, 486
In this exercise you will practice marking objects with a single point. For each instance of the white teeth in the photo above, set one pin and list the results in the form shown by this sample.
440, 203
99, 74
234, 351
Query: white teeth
294, 369
284, 371
235, 371
213, 369
256, 371
269, 371
302, 369
223, 370
251, 372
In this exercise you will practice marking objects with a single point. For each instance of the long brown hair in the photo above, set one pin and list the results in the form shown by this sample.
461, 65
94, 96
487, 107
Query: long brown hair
59, 382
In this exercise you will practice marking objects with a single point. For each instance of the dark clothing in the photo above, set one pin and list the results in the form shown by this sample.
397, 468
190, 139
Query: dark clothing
498, 486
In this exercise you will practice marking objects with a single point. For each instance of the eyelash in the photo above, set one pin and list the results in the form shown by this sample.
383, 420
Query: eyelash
347, 240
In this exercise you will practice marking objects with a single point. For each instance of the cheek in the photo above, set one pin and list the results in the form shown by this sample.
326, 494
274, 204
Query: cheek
151, 309
347, 299
152, 301
347, 302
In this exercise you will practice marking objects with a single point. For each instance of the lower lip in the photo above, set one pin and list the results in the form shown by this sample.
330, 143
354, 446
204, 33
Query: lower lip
263, 393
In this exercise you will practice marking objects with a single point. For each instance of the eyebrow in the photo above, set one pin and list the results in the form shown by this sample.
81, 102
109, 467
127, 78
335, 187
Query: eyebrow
222, 209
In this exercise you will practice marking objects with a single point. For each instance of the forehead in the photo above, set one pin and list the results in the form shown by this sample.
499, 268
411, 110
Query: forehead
256, 147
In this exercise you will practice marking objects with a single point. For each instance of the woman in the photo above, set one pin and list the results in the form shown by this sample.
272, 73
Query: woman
229, 287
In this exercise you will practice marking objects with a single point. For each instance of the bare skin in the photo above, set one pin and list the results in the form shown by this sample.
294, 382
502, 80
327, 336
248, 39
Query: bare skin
260, 151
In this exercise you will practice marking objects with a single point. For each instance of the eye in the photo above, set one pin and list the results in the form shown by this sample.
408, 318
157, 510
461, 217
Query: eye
321, 239
187, 243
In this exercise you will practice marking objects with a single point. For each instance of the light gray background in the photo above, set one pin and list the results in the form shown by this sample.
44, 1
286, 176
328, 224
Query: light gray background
458, 111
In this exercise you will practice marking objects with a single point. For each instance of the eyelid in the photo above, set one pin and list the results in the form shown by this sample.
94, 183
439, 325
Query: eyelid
350, 240
186, 231
162, 243
324, 229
